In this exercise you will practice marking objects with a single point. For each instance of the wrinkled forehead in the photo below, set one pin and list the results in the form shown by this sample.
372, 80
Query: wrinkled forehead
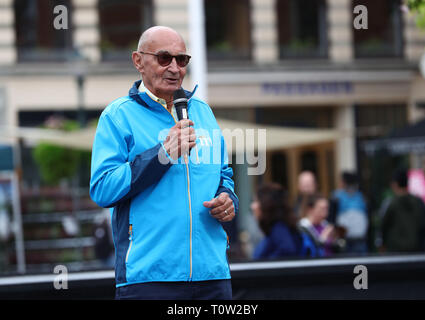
164, 40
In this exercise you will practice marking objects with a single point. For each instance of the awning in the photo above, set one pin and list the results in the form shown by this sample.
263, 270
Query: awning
276, 138
80, 139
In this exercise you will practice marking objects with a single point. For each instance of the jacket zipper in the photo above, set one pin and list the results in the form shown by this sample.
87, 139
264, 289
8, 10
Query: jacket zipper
130, 233
186, 161
190, 215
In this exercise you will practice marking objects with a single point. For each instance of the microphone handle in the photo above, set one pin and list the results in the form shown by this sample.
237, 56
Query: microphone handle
181, 112
182, 115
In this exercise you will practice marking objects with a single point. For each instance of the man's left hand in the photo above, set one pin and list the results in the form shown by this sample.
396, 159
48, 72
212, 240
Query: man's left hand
221, 207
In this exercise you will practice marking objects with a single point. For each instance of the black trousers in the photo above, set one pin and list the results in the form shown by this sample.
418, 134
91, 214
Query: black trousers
196, 290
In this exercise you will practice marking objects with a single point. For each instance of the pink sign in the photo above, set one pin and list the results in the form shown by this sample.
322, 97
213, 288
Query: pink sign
416, 183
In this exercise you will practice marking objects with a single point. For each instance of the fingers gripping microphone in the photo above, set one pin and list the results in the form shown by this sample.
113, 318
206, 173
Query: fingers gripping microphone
180, 103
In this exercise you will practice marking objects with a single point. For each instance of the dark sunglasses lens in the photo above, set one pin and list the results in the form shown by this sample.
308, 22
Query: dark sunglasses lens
164, 59
182, 60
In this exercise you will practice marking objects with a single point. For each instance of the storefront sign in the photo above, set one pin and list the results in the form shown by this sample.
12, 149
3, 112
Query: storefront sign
307, 88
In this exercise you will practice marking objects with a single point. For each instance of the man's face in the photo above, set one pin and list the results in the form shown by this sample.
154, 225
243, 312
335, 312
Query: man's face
162, 81
306, 183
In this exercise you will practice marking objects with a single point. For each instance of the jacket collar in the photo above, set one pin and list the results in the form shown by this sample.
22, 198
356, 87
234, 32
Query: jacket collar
136, 95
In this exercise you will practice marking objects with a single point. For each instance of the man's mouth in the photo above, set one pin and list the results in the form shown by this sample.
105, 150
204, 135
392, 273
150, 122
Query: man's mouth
172, 80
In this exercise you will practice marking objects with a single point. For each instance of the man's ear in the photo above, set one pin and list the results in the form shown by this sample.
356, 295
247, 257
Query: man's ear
137, 61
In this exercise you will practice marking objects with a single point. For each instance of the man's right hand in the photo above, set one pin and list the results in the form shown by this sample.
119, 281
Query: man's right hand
181, 138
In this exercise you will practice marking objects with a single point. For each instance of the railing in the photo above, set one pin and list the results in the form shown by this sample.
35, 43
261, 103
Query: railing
387, 277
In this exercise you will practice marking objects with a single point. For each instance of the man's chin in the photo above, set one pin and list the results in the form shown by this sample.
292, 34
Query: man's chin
170, 88
167, 89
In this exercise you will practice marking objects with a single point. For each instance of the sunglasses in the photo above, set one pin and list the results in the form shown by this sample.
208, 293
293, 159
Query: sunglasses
164, 58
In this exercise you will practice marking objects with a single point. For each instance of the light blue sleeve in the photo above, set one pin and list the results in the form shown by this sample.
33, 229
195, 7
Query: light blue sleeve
110, 169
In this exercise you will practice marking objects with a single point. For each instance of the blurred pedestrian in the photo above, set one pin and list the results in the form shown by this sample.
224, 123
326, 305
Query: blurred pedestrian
307, 186
403, 224
4, 214
5, 225
349, 211
314, 213
104, 244
277, 222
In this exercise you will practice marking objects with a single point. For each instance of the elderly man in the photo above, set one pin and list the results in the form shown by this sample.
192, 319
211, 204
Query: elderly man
167, 196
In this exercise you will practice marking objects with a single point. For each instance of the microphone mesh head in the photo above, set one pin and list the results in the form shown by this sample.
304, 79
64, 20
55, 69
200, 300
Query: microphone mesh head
179, 94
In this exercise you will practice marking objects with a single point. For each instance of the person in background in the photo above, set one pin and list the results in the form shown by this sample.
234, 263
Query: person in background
403, 223
314, 223
306, 186
277, 222
348, 210
4, 214
104, 243
5, 227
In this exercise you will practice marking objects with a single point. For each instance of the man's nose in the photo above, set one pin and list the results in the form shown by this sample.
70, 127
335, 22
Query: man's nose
173, 67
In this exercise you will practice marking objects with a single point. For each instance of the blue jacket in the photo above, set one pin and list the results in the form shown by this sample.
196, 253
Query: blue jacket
281, 242
350, 201
161, 230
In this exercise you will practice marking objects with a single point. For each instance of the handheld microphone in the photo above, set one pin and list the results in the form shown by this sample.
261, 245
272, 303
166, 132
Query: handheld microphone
180, 103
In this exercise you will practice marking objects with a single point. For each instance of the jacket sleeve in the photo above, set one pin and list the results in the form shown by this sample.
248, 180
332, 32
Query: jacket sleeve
113, 177
226, 182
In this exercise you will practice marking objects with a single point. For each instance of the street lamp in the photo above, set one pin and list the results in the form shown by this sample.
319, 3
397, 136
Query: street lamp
422, 65
79, 70
198, 67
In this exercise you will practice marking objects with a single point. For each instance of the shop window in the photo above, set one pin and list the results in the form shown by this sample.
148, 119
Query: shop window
36, 37
383, 37
375, 171
228, 28
318, 117
121, 24
302, 28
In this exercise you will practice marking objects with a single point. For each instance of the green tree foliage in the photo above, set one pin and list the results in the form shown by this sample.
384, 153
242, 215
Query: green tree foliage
418, 8
55, 162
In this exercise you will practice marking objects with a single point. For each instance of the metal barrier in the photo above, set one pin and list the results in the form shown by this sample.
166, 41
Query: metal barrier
383, 277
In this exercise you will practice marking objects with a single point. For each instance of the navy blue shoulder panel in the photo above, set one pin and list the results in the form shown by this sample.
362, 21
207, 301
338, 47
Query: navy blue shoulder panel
134, 93
120, 228
190, 94
147, 168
